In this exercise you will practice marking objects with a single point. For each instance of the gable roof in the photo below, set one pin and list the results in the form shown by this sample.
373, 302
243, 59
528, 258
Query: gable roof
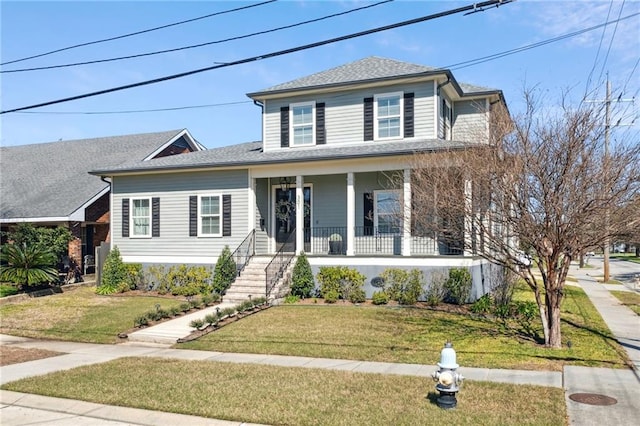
50, 181
370, 69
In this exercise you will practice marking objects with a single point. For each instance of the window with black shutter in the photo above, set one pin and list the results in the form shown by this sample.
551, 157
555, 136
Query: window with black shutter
193, 216
226, 215
368, 119
284, 127
155, 217
125, 217
320, 130
408, 115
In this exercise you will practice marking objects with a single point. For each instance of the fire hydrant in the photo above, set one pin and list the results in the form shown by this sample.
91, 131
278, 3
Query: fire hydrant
447, 378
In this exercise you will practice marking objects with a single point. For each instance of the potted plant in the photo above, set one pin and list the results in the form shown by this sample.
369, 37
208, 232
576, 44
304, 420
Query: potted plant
335, 244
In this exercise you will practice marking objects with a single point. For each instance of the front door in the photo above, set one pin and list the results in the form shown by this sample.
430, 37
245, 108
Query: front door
285, 215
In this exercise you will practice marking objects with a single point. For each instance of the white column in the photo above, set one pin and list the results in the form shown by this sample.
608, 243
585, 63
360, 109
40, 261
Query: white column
406, 229
299, 214
351, 214
252, 203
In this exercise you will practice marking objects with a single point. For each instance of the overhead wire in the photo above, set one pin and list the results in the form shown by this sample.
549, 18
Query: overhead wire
158, 52
606, 57
134, 111
489, 3
139, 32
595, 60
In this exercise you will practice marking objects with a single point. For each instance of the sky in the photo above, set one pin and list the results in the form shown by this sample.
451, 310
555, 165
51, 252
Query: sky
578, 65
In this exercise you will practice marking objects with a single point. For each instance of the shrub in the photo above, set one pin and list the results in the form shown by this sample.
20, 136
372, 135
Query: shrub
341, 280
380, 298
436, 290
175, 311
291, 299
195, 303
257, 301
458, 286
55, 240
503, 284
185, 307
134, 275
404, 286
154, 315
225, 271
526, 312
227, 312
302, 283
211, 319
27, 265
140, 321
7, 290
114, 273
482, 305
197, 323
210, 299
331, 296
247, 305
182, 280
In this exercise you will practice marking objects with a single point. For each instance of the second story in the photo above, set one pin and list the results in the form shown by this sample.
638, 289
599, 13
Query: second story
374, 100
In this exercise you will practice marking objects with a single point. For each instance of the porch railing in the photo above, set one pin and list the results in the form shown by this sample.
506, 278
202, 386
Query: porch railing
279, 264
244, 252
372, 240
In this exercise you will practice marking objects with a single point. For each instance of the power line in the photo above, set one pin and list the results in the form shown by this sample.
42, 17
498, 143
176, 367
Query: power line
615, 29
138, 32
136, 110
476, 6
595, 60
140, 55
483, 59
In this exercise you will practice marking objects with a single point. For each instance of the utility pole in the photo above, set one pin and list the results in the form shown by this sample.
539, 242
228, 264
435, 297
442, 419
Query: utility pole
607, 125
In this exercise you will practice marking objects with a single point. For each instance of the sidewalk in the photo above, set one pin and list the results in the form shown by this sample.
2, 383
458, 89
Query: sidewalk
623, 385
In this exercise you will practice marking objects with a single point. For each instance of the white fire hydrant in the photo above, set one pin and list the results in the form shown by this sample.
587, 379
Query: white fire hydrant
447, 378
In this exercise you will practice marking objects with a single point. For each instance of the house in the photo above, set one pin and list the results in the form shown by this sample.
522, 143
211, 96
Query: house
48, 184
318, 182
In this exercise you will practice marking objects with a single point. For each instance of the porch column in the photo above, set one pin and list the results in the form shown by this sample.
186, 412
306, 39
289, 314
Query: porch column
251, 208
406, 229
351, 214
299, 214
468, 219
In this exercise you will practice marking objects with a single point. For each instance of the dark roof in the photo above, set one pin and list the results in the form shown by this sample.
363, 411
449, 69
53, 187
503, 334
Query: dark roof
51, 180
251, 154
371, 68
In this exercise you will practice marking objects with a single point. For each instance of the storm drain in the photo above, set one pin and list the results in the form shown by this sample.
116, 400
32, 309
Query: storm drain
592, 399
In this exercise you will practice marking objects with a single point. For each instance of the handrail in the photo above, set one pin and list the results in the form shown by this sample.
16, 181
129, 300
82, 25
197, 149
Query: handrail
244, 252
278, 264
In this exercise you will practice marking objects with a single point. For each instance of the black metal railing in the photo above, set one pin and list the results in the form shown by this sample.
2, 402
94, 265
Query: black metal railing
378, 240
279, 264
326, 240
244, 252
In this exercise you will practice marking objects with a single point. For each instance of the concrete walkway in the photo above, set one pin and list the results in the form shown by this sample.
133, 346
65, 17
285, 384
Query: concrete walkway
22, 409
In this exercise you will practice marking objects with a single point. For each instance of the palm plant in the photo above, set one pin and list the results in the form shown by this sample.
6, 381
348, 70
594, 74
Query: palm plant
27, 265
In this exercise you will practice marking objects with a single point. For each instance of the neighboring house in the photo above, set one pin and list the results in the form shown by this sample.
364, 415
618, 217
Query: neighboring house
330, 142
48, 184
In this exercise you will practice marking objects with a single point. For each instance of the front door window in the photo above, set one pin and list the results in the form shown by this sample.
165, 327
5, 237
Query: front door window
285, 214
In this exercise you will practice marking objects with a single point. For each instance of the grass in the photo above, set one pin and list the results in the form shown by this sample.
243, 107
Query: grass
417, 336
15, 355
278, 395
8, 290
77, 315
629, 299
631, 257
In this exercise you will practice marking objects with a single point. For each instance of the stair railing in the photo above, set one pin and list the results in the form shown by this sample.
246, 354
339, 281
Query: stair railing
279, 264
245, 251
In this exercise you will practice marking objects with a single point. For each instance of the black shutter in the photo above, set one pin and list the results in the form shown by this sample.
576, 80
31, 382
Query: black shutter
226, 215
408, 115
125, 217
155, 217
368, 119
321, 138
284, 127
193, 216
368, 213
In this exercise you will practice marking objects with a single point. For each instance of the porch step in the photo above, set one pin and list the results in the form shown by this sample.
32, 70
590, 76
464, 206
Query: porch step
251, 282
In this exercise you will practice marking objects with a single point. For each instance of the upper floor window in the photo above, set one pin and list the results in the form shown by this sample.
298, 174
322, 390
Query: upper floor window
302, 124
210, 216
141, 217
446, 118
388, 115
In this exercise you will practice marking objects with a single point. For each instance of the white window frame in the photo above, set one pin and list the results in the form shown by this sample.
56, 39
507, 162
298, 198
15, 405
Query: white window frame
293, 126
219, 215
377, 117
447, 120
133, 217
376, 195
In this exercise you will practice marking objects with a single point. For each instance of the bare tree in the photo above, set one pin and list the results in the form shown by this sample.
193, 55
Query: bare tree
542, 187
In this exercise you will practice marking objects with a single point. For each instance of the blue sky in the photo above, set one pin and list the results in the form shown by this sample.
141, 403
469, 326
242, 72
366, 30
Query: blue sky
28, 28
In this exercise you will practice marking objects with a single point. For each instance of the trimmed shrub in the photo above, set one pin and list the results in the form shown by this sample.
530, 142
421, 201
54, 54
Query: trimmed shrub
291, 299
331, 296
140, 321
380, 298
357, 295
175, 311
339, 280
436, 291
114, 273
196, 323
403, 286
302, 283
458, 286
225, 271
482, 305
211, 319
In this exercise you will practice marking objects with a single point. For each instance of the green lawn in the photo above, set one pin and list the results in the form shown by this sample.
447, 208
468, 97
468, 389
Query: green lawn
631, 257
77, 315
629, 299
279, 395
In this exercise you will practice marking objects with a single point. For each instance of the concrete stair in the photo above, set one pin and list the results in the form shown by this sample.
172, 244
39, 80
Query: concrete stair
252, 281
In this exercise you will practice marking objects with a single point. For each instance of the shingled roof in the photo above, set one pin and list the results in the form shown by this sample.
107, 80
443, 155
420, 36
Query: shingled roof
51, 180
371, 68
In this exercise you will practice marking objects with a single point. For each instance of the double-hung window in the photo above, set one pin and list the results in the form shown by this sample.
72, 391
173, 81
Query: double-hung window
388, 115
210, 216
388, 211
141, 217
302, 124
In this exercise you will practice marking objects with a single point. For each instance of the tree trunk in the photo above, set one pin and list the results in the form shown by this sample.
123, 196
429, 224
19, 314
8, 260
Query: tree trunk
553, 298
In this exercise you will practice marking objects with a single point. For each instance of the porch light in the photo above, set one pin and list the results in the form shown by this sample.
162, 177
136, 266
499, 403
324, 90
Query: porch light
285, 184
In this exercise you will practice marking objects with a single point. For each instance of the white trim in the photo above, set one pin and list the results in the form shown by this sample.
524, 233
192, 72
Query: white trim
292, 139
272, 207
435, 109
170, 259
394, 261
300, 214
190, 140
209, 195
131, 224
37, 219
251, 201
487, 116
351, 213
406, 213
376, 129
